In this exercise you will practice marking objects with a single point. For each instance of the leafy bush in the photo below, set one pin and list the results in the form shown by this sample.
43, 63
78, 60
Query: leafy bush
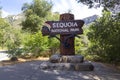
10, 37
13, 41
53, 45
105, 38
38, 45
82, 43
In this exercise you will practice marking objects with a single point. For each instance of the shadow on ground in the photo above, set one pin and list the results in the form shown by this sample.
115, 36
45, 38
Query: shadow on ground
31, 71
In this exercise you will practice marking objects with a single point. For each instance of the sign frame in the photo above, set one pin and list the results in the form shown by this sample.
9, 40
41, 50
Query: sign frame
63, 27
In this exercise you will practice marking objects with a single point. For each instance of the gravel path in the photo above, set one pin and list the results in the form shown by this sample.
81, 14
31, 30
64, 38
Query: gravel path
31, 71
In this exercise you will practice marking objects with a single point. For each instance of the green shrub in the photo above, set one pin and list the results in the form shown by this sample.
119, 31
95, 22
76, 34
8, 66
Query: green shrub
104, 36
36, 44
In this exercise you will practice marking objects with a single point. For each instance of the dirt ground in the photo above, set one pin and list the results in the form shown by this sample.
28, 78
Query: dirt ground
21, 60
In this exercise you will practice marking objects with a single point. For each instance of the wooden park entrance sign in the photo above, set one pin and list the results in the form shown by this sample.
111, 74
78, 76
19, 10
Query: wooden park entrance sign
68, 28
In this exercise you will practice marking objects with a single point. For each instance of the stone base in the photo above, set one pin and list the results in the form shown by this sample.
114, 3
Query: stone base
85, 66
66, 58
66, 62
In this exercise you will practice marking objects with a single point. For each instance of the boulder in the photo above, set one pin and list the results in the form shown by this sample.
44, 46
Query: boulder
55, 58
72, 59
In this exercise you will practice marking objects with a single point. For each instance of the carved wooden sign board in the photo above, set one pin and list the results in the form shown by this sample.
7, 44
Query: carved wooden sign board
62, 27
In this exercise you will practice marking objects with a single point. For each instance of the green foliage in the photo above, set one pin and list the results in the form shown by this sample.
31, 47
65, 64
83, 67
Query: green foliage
38, 7
81, 44
4, 28
105, 38
53, 16
38, 45
21, 43
32, 23
105, 3
53, 45
10, 37
35, 14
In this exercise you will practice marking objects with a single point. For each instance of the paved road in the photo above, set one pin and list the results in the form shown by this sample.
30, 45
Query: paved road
31, 71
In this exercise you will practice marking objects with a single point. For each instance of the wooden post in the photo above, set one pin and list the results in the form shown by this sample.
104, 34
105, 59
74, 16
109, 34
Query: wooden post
71, 49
